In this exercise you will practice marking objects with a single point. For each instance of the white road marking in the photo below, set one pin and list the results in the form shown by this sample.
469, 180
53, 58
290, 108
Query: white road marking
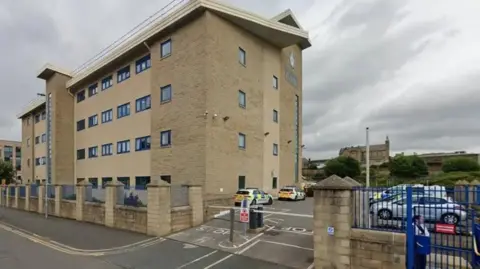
311, 266
231, 255
198, 259
287, 245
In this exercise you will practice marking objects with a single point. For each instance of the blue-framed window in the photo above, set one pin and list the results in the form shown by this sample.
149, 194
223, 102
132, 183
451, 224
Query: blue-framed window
166, 94
80, 96
143, 103
80, 154
107, 149
92, 90
44, 138
166, 138
93, 121
125, 181
123, 146
143, 64
80, 125
123, 74
94, 182
93, 152
275, 82
275, 115
107, 116
166, 48
242, 99
242, 141
107, 82
242, 56
123, 110
141, 183
142, 143
275, 149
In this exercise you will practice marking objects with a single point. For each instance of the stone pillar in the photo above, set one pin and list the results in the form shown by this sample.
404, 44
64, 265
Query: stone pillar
114, 192
333, 222
28, 191
58, 199
158, 208
41, 198
80, 202
195, 199
2, 198
17, 195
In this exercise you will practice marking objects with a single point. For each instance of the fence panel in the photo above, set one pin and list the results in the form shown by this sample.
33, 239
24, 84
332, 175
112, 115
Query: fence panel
21, 191
135, 196
34, 190
179, 195
69, 192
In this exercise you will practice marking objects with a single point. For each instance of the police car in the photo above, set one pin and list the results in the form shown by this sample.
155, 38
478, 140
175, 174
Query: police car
254, 196
291, 193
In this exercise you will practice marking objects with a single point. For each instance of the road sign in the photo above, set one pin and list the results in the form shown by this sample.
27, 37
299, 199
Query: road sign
245, 211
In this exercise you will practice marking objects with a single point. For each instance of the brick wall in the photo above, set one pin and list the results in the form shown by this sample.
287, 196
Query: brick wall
94, 212
181, 218
131, 218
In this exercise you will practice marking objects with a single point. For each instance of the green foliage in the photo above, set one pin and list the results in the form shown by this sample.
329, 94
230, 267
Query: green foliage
460, 164
408, 166
7, 171
342, 166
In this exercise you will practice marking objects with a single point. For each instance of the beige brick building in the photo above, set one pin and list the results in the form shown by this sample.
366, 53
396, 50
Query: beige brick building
11, 151
379, 153
208, 95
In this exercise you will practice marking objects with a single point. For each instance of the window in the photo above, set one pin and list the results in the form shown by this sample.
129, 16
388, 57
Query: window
37, 118
44, 115
28, 142
79, 180
123, 74
28, 162
274, 183
107, 149
37, 140
123, 146
37, 161
105, 181
107, 82
93, 121
44, 138
166, 178
123, 110
94, 182
93, 152
143, 103
80, 125
125, 181
92, 90
242, 99
242, 56
166, 48
143, 64
275, 82
275, 149
242, 141
43, 160
80, 154
166, 94
275, 116
241, 182
107, 116
141, 183
165, 138
28, 121
142, 143
80, 96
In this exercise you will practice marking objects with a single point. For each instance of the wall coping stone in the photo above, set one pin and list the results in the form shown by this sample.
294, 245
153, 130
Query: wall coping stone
181, 208
381, 237
83, 184
335, 182
158, 183
93, 204
132, 208
114, 184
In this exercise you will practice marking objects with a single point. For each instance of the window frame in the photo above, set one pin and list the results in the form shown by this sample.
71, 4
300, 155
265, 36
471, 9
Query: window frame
93, 152
107, 149
92, 90
169, 138
127, 147
105, 114
275, 82
139, 102
244, 137
275, 149
121, 115
164, 43
144, 139
82, 155
242, 56
242, 94
275, 116
107, 79
147, 60
162, 89
82, 121
121, 71
93, 121
80, 96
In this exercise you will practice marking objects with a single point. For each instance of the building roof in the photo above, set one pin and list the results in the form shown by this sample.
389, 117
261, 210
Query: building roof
34, 104
445, 154
48, 70
10, 142
288, 18
279, 33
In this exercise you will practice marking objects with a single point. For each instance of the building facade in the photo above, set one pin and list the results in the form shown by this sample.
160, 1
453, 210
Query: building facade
435, 161
11, 151
379, 153
209, 95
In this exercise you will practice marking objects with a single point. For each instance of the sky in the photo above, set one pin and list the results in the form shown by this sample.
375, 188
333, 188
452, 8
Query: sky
408, 69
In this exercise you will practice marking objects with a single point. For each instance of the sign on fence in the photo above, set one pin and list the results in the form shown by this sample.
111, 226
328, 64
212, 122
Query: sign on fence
245, 211
445, 228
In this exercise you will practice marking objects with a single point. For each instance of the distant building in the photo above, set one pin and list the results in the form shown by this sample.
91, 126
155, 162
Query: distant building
435, 161
11, 151
378, 153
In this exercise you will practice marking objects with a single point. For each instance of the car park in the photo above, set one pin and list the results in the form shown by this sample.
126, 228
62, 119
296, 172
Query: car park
254, 196
291, 193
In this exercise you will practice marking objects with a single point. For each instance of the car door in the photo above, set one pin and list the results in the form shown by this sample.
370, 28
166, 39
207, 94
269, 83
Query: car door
263, 197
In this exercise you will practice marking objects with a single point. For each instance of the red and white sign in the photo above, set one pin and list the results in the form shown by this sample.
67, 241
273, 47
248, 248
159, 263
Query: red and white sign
445, 228
244, 216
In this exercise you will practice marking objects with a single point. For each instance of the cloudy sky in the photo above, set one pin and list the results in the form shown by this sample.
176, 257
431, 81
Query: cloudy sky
408, 69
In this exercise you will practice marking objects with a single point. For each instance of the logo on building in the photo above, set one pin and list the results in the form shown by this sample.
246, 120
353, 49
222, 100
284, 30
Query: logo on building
292, 60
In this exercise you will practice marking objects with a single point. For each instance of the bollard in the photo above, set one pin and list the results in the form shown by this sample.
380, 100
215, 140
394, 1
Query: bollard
232, 223
253, 219
260, 217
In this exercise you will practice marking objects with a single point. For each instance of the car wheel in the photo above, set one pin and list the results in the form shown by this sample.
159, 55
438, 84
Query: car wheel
270, 201
384, 214
450, 218
296, 197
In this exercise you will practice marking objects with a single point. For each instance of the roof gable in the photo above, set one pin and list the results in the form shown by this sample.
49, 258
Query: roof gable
288, 18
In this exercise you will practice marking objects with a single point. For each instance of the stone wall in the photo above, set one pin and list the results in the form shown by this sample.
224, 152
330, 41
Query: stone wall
21, 203
131, 218
94, 213
33, 204
217, 200
181, 218
68, 209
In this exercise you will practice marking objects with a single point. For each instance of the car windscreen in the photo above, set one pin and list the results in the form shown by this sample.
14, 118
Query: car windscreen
243, 192
286, 190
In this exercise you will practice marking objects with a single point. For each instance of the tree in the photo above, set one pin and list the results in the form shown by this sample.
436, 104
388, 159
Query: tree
343, 166
460, 164
408, 166
7, 171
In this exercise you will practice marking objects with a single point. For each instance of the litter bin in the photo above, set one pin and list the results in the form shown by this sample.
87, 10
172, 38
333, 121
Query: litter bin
259, 217
253, 219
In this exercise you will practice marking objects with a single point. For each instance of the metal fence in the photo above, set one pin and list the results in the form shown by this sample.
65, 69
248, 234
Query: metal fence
34, 190
69, 192
179, 195
449, 217
135, 196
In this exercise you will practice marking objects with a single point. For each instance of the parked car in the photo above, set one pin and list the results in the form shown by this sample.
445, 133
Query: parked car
254, 196
291, 193
433, 209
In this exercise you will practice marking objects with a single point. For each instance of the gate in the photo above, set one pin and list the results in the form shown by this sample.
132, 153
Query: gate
450, 224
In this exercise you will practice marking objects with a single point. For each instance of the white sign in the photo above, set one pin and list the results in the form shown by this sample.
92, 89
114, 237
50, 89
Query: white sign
245, 211
331, 231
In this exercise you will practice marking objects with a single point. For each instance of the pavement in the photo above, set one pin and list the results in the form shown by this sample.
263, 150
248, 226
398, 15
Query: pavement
30, 241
